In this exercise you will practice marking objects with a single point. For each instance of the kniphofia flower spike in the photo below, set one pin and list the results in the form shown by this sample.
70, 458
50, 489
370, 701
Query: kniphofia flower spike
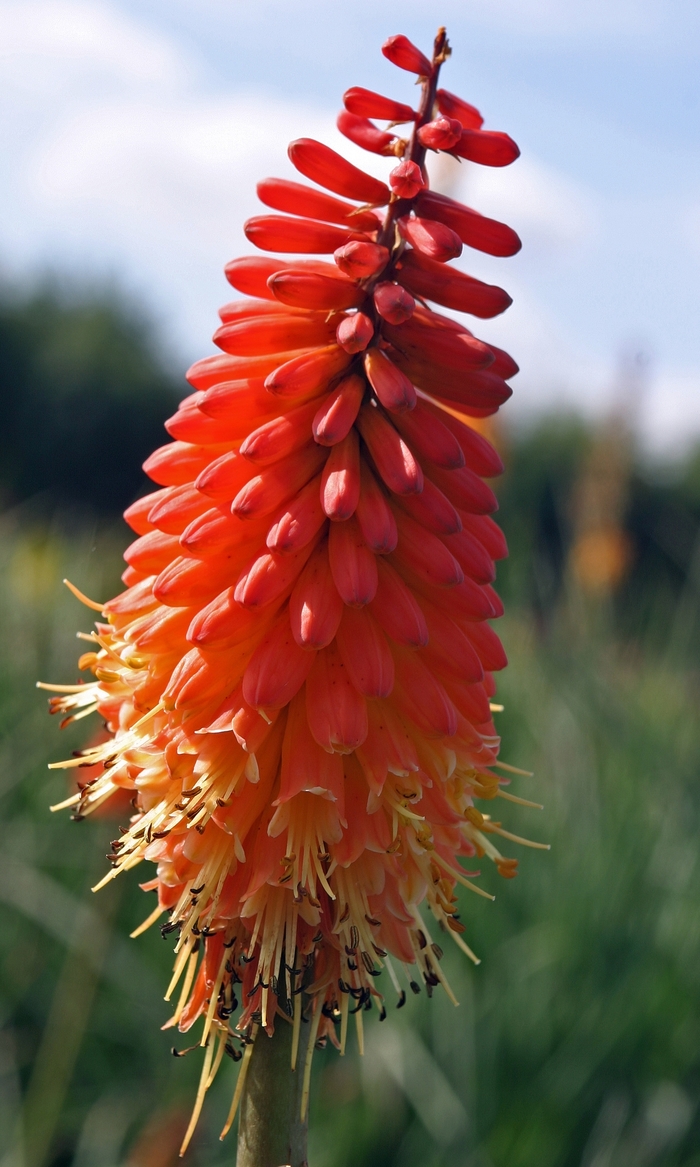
298, 677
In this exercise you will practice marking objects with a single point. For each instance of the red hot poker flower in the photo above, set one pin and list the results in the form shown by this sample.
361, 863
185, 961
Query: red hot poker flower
298, 677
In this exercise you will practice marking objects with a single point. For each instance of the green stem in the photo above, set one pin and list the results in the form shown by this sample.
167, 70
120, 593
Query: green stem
270, 1131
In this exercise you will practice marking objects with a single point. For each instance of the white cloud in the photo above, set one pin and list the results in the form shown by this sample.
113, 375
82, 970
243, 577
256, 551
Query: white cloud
669, 412
50, 43
119, 162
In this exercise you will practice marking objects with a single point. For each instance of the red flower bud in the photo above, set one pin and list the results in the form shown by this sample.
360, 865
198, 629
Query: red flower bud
367, 104
279, 233
393, 303
473, 229
406, 180
487, 147
363, 133
339, 411
400, 51
355, 332
454, 107
324, 166
392, 387
441, 134
297, 199
433, 239
320, 293
360, 260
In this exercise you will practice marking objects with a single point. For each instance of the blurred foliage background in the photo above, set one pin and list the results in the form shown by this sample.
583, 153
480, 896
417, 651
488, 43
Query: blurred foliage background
577, 1038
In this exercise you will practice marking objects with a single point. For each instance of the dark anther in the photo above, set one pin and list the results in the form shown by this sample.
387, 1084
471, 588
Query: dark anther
402, 999
437, 950
180, 1053
232, 1052
415, 987
421, 939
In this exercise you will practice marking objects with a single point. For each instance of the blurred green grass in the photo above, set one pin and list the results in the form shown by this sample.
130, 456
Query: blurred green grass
576, 1040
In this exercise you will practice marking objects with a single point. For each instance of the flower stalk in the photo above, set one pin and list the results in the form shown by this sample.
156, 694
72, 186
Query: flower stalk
271, 1129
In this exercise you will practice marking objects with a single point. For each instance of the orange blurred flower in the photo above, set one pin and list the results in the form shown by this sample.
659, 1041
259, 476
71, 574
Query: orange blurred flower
298, 678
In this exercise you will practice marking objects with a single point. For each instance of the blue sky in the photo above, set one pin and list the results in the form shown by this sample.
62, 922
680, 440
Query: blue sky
135, 131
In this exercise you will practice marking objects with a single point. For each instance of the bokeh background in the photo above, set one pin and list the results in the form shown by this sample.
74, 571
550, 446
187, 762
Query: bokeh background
132, 134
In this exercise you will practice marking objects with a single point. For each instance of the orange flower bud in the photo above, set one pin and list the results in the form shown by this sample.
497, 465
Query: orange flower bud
299, 520
353, 565
315, 606
277, 669
336, 712
396, 608
365, 653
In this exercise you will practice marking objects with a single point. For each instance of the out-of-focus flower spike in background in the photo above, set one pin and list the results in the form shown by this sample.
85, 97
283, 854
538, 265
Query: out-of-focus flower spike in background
133, 135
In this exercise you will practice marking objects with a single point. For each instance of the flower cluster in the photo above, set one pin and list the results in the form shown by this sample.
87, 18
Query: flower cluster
298, 679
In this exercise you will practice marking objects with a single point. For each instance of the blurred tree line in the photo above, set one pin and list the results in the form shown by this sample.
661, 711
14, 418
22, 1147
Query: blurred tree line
576, 1042
84, 392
